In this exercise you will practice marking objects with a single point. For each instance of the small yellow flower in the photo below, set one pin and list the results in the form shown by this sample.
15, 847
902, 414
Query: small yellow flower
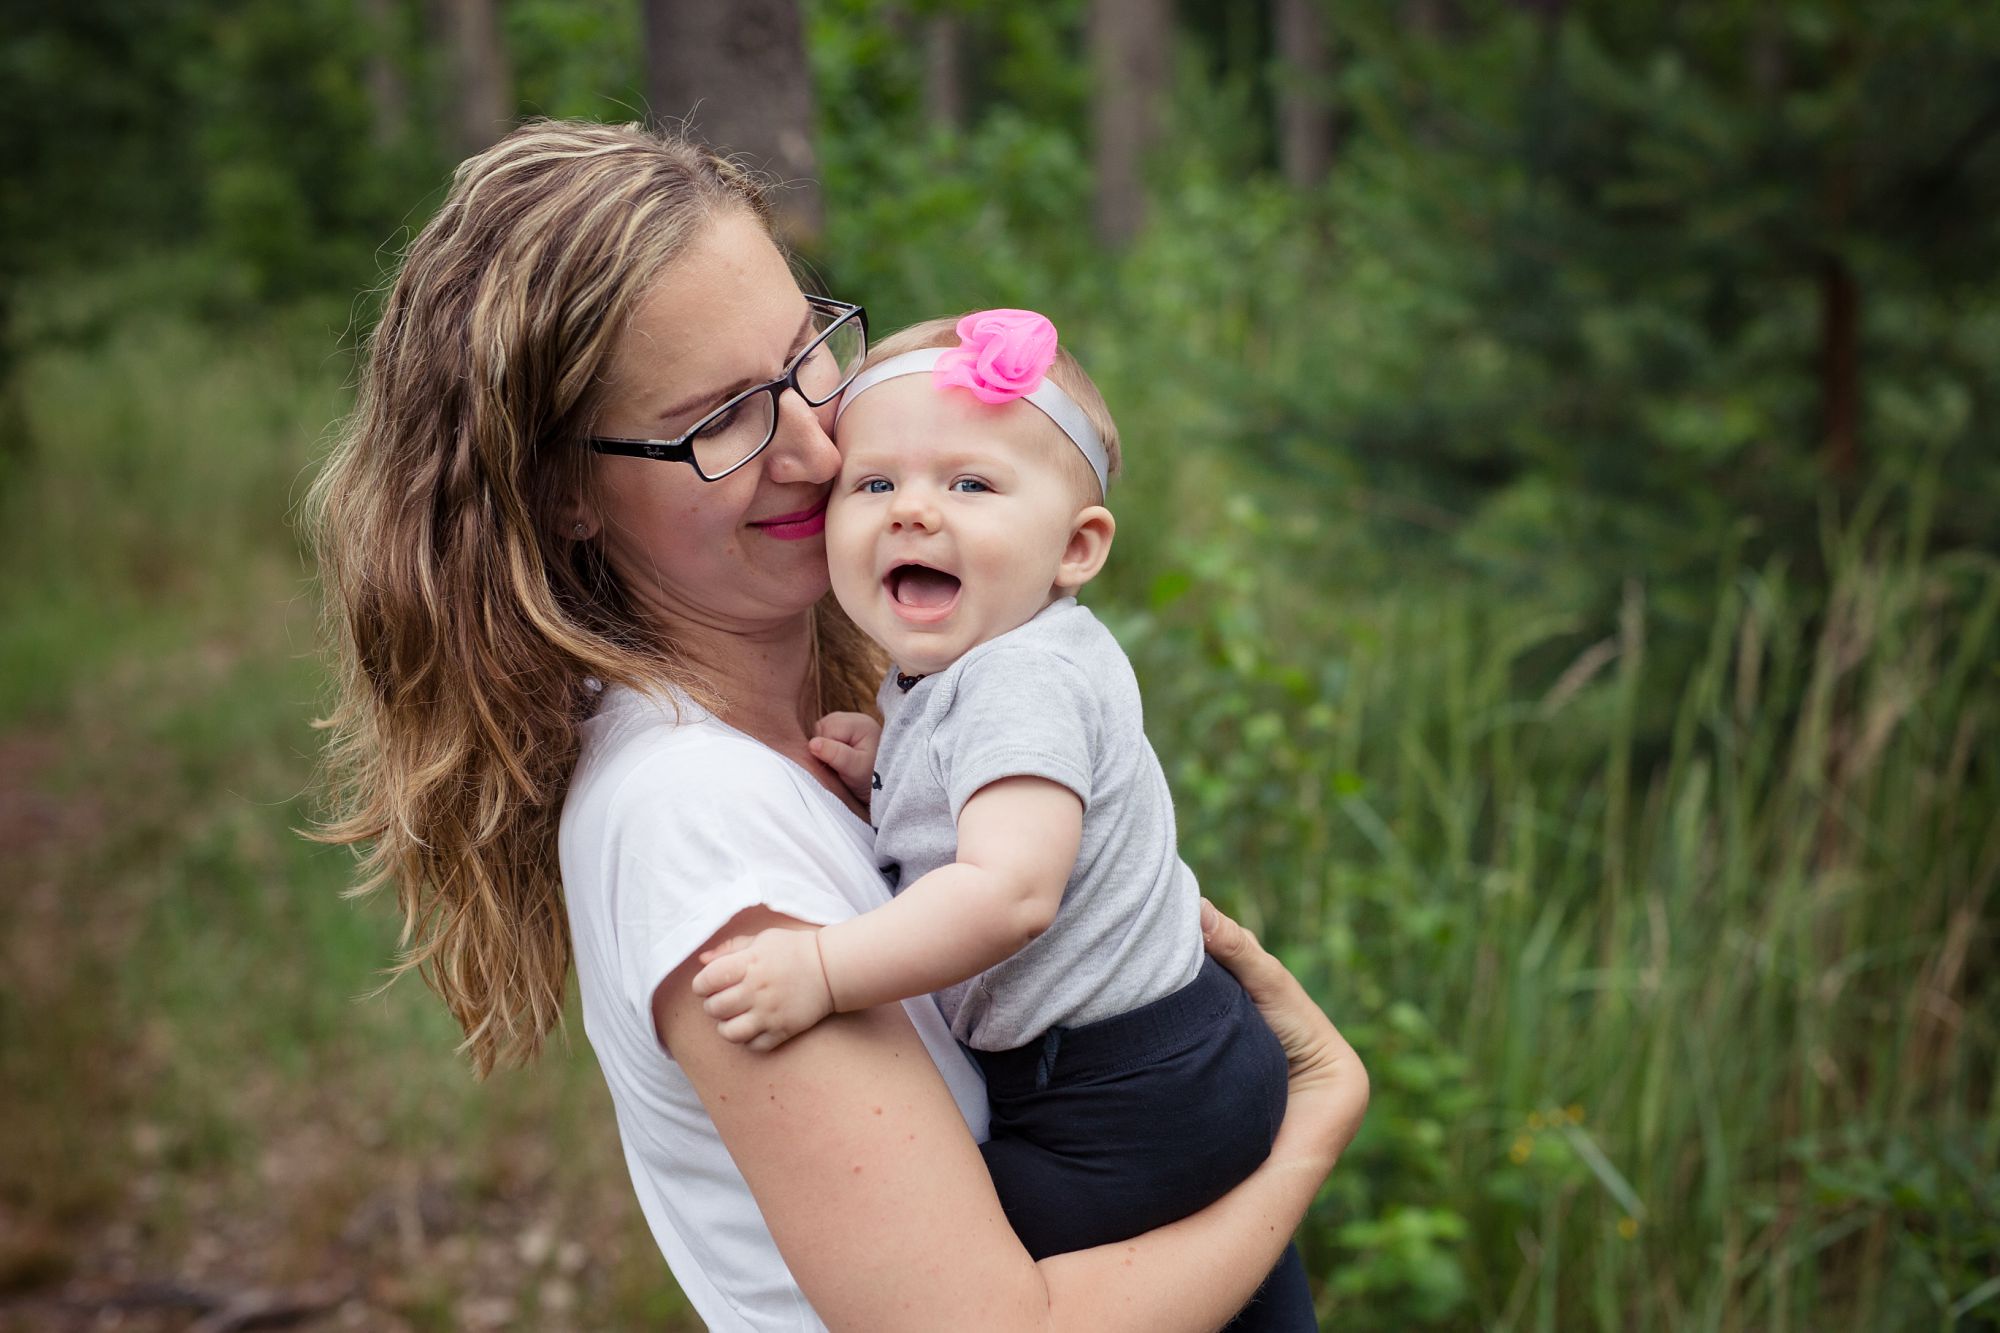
1575, 1113
1628, 1227
1534, 1120
1523, 1149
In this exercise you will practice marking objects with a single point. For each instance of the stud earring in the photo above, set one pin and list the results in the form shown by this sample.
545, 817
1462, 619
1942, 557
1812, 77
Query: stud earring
579, 530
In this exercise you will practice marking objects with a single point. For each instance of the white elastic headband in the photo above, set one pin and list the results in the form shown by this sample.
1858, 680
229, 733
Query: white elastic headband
1056, 405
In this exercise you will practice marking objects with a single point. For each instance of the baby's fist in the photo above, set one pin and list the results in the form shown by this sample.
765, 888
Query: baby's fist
764, 989
846, 743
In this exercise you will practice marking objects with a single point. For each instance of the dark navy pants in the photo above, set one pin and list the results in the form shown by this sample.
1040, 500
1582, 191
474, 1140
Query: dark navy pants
1106, 1130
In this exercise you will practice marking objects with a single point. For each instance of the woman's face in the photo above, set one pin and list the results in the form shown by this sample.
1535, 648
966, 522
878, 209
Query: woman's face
747, 551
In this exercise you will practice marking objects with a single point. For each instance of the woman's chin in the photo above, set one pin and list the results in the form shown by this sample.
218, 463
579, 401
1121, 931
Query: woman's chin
791, 578
799, 597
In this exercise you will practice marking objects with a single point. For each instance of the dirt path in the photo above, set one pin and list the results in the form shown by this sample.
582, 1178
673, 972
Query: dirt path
119, 1209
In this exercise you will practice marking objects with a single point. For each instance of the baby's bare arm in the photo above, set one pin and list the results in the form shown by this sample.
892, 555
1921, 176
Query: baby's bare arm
1017, 844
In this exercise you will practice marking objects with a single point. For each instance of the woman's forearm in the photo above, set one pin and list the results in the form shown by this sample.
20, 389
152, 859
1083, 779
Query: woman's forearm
882, 1207
1192, 1274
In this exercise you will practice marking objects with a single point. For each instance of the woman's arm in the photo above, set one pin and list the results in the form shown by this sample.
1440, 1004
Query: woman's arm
881, 1205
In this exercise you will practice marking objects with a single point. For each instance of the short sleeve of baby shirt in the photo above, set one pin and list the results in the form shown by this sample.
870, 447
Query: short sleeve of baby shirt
695, 836
1019, 710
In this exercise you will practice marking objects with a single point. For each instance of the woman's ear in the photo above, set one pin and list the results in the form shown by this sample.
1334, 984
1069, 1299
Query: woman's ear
576, 523
1089, 546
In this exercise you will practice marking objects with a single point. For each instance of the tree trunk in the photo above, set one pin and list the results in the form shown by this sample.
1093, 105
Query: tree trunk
16, 441
388, 91
1130, 44
1840, 317
944, 73
1305, 105
1769, 66
736, 70
1840, 367
1432, 18
483, 83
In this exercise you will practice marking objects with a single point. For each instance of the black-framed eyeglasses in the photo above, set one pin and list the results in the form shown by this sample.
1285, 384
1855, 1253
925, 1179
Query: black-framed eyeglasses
739, 430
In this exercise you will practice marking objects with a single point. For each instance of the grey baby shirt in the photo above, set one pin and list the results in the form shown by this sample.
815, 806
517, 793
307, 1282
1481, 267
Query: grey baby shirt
1053, 699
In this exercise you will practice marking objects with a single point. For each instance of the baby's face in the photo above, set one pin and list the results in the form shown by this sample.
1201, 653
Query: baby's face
948, 522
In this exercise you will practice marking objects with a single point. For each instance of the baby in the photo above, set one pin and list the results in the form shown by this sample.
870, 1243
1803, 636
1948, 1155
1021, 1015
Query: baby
1021, 816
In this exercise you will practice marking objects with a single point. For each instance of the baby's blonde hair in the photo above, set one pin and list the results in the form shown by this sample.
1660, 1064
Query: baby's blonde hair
1068, 374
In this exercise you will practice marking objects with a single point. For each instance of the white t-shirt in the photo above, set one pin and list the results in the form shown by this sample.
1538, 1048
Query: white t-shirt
669, 830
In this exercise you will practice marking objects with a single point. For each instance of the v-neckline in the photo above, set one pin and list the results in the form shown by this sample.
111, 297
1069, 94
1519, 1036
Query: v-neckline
801, 773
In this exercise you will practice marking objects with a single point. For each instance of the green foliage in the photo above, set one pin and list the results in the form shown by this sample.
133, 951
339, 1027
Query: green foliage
1654, 208
1621, 1016
984, 231
1620, 777
142, 510
926, 218
577, 59
89, 154
187, 1030
1666, 978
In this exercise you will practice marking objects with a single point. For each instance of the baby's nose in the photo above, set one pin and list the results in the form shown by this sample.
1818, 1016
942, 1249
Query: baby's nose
912, 509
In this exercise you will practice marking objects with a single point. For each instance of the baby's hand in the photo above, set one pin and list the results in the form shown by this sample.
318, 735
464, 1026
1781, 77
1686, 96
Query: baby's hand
765, 988
845, 743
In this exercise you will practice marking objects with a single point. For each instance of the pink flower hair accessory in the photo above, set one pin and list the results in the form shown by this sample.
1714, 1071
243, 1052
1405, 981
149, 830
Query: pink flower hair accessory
1001, 355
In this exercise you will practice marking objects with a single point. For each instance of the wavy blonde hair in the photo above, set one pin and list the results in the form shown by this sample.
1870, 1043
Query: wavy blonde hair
465, 623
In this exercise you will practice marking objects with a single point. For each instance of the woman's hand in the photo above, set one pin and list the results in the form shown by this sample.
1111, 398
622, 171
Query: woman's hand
1329, 1087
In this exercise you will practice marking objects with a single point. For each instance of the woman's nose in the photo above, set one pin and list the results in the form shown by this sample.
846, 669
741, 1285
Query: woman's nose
801, 450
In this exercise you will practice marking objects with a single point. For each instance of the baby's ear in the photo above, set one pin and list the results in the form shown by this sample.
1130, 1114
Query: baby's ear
1090, 535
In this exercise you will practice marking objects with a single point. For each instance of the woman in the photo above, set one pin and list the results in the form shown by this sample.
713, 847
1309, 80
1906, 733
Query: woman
571, 541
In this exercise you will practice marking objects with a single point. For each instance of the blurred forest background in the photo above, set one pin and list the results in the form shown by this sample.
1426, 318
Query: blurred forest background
1561, 551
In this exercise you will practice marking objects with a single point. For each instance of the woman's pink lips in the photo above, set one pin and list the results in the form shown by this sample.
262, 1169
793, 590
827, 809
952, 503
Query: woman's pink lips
795, 527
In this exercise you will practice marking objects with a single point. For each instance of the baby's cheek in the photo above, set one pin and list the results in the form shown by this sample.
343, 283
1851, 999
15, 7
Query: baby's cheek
848, 558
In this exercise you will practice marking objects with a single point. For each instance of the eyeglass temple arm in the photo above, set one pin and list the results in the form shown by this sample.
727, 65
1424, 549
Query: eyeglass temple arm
664, 451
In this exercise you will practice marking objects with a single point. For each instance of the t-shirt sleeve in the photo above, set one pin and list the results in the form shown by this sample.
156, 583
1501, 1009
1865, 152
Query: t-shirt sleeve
694, 844
1019, 711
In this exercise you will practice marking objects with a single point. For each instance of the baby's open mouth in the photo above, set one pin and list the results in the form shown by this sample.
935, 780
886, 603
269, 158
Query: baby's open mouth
921, 587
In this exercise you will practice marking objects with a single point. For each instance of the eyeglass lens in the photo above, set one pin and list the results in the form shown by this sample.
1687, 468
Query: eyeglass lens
750, 423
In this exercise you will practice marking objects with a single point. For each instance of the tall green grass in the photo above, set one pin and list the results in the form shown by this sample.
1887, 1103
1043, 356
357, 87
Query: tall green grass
154, 490
1670, 972
1665, 930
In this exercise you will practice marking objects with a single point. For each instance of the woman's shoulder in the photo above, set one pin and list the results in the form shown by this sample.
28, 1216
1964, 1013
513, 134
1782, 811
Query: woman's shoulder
662, 752
674, 813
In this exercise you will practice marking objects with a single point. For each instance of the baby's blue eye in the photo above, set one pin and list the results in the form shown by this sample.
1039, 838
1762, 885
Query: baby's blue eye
969, 485
876, 486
